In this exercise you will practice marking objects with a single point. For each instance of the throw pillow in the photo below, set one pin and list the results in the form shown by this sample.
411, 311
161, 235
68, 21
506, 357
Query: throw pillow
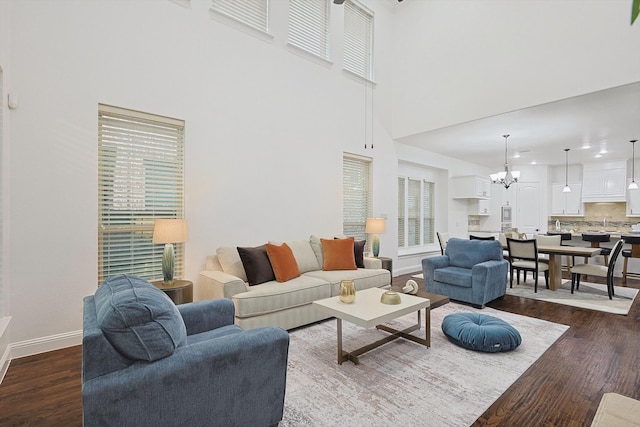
138, 319
338, 254
358, 251
283, 262
231, 263
303, 253
256, 264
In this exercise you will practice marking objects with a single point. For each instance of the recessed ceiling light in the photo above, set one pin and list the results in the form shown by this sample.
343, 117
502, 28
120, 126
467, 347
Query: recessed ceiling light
598, 155
516, 155
586, 146
603, 151
533, 162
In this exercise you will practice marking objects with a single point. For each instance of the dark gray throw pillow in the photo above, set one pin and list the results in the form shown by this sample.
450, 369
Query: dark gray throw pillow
256, 264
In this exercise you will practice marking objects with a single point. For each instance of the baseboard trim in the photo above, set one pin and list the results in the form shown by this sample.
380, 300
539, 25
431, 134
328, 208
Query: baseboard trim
5, 347
44, 344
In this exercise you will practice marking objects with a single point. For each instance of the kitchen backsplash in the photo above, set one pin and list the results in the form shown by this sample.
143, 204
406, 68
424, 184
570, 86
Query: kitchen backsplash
597, 216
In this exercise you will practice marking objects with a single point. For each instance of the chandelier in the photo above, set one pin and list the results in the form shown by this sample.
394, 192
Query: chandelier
507, 177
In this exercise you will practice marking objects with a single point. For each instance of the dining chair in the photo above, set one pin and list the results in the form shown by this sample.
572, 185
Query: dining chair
598, 270
523, 255
472, 237
443, 238
633, 252
544, 240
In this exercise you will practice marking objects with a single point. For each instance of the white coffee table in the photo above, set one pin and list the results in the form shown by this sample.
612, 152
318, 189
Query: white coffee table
367, 311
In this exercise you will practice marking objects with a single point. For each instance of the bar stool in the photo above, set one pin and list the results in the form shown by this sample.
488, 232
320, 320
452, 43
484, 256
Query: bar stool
634, 252
595, 239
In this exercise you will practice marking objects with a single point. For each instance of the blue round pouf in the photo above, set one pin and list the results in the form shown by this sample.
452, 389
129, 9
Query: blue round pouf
480, 332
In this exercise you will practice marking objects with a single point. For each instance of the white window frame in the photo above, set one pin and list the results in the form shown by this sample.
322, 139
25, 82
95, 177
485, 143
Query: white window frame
356, 195
251, 13
309, 26
358, 39
424, 219
140, 179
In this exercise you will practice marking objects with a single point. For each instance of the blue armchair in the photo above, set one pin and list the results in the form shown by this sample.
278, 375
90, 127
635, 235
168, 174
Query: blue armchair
148, 362
471, 271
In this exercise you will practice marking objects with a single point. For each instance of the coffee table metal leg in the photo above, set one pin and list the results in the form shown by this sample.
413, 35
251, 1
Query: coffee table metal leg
395, 333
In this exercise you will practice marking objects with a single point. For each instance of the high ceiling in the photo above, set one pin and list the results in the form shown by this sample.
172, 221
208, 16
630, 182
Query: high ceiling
604, 120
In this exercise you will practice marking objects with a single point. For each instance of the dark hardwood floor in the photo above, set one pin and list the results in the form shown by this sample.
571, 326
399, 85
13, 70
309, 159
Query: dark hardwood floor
599, 353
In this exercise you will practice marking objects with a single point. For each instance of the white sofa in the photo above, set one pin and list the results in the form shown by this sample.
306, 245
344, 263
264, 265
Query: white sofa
285, 304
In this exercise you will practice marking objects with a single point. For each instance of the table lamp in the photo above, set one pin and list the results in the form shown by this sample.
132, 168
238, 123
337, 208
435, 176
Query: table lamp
169, 231
375, 226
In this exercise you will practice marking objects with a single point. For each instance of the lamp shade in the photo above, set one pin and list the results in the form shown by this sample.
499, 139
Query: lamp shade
375, 226
170, 231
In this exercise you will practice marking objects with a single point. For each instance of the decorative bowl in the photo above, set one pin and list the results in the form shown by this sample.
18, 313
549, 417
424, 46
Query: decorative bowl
391, 298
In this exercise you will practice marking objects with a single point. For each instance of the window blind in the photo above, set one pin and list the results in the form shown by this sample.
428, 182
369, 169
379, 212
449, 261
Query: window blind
253, 13
140, 178
358, 39
414, 206
309, 26
427, 215
356, 194
401, 213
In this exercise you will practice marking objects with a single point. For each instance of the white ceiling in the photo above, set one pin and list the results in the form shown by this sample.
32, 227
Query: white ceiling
607, 119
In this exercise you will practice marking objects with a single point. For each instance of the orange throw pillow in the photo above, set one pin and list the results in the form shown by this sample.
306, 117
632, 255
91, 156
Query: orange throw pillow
283, 262
338, 254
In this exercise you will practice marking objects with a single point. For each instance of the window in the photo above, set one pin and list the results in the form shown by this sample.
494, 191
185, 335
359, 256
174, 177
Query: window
415, 212
358, 40
253, 13
356, 195
140, 178
309, 26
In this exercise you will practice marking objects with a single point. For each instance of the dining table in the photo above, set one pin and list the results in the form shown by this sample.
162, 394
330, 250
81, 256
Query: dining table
555, 255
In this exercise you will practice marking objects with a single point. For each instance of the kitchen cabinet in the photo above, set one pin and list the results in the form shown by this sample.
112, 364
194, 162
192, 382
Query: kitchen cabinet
470, 187
567, 204
633, 202
480, 207
606, 182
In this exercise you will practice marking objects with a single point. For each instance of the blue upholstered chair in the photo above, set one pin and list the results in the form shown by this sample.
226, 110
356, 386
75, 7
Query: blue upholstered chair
148, 362
471, 271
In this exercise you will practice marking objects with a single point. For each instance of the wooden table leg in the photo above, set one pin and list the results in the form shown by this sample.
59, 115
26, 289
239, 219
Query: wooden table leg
555, 271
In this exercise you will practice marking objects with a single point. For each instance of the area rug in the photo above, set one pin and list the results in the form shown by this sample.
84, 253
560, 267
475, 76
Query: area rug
403, 383
592, 296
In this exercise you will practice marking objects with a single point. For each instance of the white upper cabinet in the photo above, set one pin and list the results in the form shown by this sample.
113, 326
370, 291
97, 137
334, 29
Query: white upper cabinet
470, 187
605, 182
567, 204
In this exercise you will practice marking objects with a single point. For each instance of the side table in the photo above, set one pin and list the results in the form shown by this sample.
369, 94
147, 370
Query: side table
387, 264
180, 292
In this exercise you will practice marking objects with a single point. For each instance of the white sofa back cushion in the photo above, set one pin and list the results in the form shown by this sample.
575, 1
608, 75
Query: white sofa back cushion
231, 263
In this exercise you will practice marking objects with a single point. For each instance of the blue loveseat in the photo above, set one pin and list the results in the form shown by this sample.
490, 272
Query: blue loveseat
471, 271
147, 362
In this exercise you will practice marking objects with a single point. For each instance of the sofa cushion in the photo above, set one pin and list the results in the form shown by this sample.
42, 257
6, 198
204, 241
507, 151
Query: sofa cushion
271, 297
457, 276
283, 262
467, 253
338, 254
231, 263
363, 278
256, 265
138, 319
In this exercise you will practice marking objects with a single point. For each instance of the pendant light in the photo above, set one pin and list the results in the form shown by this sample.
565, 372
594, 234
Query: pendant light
633, 185
507, 177
566, 188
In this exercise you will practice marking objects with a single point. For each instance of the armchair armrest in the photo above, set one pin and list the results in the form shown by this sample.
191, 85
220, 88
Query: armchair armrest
206, 315
200, 384
370, 262
218, 284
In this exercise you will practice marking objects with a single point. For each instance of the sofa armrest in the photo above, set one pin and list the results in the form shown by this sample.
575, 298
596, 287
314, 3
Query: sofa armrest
430, 264
206, 315
370, 262
218, 284
198, 384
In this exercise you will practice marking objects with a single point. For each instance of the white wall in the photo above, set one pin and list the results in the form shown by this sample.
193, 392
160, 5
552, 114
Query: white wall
474, 59
265, 133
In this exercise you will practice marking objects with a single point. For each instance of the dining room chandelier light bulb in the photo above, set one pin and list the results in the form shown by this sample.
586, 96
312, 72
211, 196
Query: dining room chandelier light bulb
633, 185
566, 188
507, 177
